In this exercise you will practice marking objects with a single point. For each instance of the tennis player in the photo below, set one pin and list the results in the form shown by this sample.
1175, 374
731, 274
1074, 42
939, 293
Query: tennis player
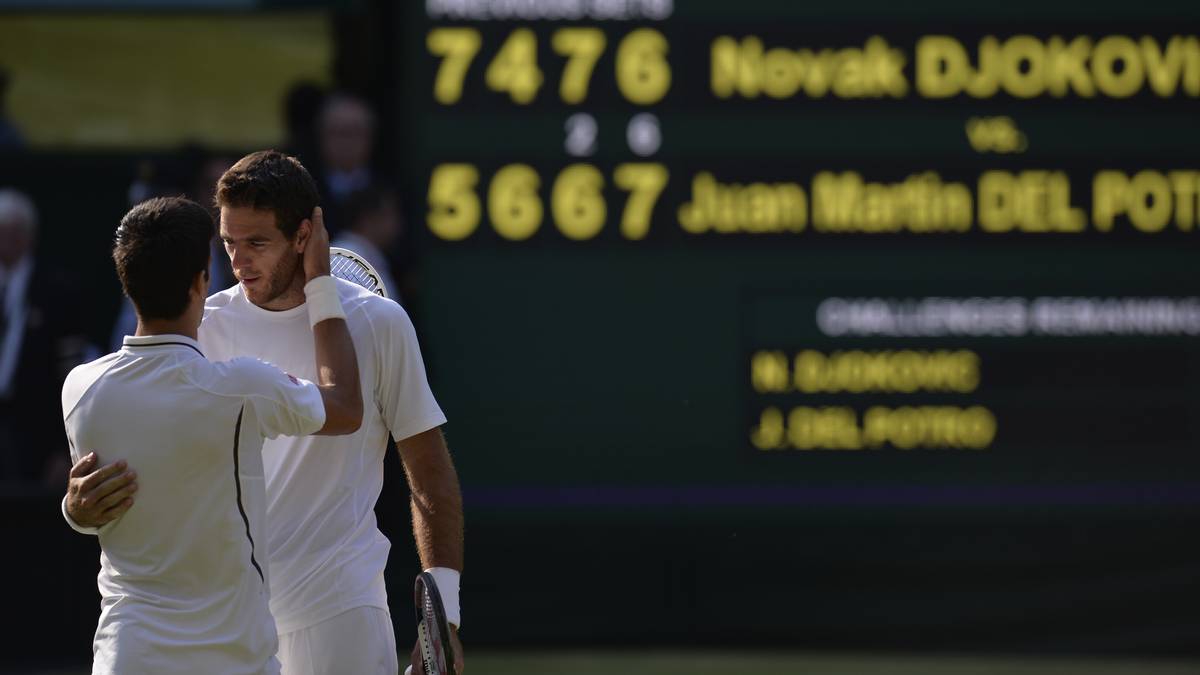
326, 554
183, 589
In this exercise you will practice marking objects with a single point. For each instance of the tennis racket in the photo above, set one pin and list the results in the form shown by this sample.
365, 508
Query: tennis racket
348, 265
433, 633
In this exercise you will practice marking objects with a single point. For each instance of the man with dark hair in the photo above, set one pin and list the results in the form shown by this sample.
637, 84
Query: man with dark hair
182, 586
326, 553
158, 253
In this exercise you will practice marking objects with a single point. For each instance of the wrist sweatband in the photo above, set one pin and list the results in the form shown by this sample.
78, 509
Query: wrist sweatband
447, 585
321, 295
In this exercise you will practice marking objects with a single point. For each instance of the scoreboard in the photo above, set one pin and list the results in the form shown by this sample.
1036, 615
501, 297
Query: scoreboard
685, 259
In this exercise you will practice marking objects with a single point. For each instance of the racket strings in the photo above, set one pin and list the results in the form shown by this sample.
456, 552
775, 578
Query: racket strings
353, 271
431, 634
432, 631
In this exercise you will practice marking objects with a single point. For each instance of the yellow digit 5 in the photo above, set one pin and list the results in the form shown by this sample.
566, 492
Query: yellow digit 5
643, 74
582, 47
457, 47
577, 203
513, 202
453, 205
644, 182
515, 70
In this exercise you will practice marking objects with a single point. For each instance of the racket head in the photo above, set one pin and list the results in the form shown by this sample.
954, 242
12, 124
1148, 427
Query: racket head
433, 633
348, 265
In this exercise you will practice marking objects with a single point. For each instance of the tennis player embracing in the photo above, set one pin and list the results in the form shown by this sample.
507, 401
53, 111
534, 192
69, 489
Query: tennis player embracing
182, 576
325, 552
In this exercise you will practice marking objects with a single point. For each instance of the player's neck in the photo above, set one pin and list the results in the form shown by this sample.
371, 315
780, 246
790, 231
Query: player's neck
292, 297
182, 327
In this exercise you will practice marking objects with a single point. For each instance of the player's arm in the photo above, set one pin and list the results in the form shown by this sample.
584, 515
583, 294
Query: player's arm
96, 497
436, 499
437, 517
337, 362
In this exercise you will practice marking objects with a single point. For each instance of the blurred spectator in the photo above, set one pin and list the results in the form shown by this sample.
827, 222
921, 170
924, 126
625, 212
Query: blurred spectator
194, 173
41, 339
301, 109
347, 139
207, 170
10, 136
373, 225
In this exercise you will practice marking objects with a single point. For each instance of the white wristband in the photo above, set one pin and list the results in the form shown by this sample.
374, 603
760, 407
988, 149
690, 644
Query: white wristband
447, 585
321, 295
74, 525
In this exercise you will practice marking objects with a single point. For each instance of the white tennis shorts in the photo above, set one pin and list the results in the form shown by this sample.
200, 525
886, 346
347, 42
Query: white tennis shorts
358, 641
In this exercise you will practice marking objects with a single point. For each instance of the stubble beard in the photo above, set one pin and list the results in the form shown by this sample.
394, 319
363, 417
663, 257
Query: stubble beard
281, 279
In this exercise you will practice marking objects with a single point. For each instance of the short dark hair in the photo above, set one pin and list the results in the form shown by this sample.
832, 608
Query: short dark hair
160, 247
272, 181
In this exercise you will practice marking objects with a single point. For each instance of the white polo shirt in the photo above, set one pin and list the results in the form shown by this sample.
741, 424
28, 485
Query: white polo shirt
183, 577
325, 549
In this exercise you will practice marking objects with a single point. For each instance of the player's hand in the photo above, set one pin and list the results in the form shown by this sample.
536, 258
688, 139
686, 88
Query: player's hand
96, 497
418, 668
316, 248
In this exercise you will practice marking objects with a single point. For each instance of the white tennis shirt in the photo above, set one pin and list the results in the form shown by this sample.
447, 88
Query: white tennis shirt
183, 574
325, 551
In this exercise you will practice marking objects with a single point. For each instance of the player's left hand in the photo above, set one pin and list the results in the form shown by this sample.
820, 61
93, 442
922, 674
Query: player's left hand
418, 669
96, 497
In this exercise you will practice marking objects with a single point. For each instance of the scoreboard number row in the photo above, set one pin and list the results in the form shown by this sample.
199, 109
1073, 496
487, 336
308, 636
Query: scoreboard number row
642, 72
515, 208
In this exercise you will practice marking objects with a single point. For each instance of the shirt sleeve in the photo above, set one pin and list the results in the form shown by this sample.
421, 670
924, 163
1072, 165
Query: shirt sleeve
284, 405
401, 388
81, 528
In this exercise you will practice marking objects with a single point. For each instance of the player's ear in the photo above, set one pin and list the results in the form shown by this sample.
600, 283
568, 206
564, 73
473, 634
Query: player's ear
302, 234
200, 283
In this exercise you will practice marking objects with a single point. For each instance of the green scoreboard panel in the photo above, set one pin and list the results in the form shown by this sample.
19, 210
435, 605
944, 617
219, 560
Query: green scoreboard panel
712, 259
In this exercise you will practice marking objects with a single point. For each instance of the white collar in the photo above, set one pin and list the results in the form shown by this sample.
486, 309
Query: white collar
166, 340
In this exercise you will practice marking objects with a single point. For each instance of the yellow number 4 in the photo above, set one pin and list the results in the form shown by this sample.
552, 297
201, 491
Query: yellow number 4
515, 70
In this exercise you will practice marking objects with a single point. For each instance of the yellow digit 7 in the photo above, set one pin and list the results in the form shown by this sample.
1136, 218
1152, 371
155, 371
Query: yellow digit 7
457, 47
644, 182
453, 205
515, 67
582, 47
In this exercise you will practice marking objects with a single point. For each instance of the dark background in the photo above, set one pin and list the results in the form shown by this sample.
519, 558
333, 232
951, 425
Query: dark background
599, 391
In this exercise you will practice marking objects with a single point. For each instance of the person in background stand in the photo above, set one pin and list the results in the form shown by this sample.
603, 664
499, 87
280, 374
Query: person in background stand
196, 171
347, 141
42, 337
10, 136
206, 171
301, 110
372, 229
